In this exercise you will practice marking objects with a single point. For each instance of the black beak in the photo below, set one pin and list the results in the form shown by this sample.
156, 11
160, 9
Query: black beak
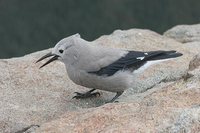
55, 57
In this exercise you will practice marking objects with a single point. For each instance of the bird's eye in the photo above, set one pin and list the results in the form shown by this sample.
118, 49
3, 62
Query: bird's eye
61, 51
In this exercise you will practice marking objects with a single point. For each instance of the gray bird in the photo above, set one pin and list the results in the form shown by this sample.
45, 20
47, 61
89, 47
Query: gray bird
93, 66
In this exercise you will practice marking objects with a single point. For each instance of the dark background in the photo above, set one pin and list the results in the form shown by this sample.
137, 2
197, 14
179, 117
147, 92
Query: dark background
32, 25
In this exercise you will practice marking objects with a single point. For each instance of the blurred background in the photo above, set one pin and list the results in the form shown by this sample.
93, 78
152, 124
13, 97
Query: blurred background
31, 25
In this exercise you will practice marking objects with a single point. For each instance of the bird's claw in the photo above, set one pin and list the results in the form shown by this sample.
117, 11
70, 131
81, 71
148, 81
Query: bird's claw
85, 95
78, 93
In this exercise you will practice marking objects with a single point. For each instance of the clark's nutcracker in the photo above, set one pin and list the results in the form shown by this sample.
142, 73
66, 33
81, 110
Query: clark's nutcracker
93, 66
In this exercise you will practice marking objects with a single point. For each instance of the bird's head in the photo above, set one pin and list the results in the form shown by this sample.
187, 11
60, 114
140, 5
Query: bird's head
61, 51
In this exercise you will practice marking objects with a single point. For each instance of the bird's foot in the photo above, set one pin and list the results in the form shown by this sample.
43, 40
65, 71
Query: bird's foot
114, 98
86, 95
111, 101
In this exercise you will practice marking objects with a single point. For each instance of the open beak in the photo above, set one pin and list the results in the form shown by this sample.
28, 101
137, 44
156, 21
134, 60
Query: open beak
55, 57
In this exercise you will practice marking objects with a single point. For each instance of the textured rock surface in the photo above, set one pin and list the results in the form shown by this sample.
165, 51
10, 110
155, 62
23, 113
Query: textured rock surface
184, 33
195, 62
174, 108
32, 96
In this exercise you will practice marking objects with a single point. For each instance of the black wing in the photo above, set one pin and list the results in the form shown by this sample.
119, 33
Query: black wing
134, 60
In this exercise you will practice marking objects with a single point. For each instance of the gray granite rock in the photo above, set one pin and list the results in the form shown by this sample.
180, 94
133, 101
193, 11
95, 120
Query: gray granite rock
170, 107
195, 62
184, 33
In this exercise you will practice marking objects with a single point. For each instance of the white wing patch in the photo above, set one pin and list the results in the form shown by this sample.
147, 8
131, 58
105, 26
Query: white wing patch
140, 58
147, 65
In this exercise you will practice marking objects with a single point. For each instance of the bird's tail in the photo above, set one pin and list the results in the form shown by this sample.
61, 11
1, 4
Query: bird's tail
166, 55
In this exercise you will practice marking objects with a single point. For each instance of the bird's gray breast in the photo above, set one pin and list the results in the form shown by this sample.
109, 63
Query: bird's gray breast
74, 74
80, 77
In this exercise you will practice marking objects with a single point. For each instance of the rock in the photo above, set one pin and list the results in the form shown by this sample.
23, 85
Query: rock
195, 62
184, 33
33, 96
174, 108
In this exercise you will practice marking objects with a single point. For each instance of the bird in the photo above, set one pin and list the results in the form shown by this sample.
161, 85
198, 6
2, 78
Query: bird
99, 67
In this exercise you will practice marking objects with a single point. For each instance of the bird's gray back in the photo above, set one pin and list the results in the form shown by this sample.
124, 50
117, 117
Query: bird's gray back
94, 57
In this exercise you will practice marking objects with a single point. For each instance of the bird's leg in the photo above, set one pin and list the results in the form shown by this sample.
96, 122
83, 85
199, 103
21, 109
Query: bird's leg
116, 96
86, 94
